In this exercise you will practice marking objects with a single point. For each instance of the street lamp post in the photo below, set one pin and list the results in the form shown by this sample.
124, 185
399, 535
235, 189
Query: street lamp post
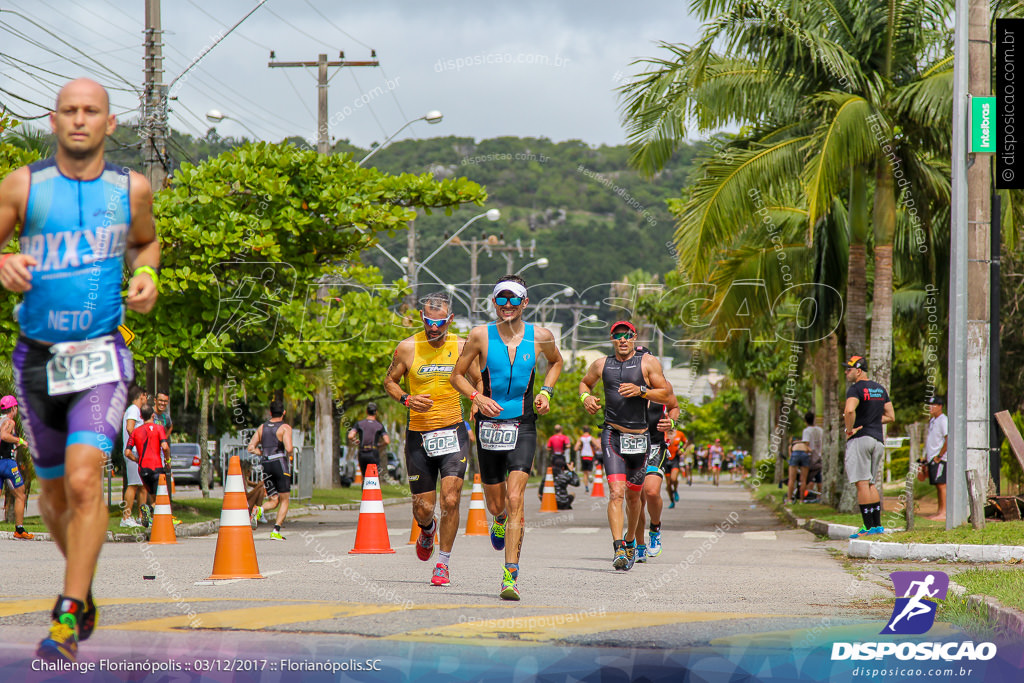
577, 313
216, 116
430, 117
541, 263
568, 291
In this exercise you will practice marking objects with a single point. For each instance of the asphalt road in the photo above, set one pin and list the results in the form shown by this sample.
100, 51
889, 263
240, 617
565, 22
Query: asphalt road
731, 575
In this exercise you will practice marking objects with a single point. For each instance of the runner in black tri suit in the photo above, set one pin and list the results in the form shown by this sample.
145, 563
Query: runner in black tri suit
630, 379
660, 417
9, 443
82, 219
369, 435
273, 441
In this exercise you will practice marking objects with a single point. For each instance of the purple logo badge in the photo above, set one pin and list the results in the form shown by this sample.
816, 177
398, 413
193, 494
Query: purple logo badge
916, 592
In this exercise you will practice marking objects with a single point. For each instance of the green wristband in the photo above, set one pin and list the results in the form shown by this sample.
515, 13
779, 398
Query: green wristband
544, 392
148, 270
584, 396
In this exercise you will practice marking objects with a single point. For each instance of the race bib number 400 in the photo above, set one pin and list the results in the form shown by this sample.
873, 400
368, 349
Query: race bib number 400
632, 444
441, 442
77, 366
499, 436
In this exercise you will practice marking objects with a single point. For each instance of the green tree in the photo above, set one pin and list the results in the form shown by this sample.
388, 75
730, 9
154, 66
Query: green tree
261, 279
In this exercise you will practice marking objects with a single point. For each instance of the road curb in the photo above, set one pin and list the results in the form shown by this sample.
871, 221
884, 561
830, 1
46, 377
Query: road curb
951, 552
1000, 615
38, 536
316, 507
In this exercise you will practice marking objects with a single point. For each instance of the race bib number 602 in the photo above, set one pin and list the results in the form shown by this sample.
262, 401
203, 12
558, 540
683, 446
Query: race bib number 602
77, 366
441, 442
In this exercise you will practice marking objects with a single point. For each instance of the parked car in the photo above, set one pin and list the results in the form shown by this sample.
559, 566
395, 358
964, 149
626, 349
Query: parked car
185, 463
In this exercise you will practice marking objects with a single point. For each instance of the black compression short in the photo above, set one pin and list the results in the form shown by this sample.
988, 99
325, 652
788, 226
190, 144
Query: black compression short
495, 465
424, 470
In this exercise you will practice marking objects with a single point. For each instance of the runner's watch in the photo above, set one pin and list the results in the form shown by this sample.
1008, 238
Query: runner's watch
404, 400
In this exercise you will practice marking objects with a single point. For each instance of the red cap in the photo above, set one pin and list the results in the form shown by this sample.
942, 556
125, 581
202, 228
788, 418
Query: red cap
624, 323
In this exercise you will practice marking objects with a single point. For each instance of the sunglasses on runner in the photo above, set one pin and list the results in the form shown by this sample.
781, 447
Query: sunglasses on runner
431, 322
508, 300
623, 335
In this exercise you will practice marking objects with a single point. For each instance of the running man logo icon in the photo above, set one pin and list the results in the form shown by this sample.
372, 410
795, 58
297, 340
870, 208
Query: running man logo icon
914, 613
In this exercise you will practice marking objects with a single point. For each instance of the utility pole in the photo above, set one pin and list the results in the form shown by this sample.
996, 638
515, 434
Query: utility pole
325, 471
979, 225
490, 245
323, 140
154, 148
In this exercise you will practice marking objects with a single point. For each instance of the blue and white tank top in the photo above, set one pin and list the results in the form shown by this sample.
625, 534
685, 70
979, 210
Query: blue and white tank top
509, 380
76, 230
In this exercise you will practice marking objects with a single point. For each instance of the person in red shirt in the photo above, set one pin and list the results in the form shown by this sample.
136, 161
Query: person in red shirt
147, 445
559, 444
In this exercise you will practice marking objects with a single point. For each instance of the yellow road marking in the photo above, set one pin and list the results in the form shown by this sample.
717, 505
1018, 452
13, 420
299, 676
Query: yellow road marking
529, 630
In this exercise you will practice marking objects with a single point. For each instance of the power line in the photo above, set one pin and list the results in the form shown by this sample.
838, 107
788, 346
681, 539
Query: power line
336, 27
293, 26
369, 105
298, 95
217, 42
238, 33
394, 94
73, 47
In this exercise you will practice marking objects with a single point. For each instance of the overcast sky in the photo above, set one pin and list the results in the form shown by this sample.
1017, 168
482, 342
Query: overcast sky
526, 68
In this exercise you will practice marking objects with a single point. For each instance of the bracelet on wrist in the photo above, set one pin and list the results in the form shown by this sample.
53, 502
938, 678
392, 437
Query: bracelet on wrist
545, 392
148, 270
3, 259
584, 396
472, 397
550, 390
404, 400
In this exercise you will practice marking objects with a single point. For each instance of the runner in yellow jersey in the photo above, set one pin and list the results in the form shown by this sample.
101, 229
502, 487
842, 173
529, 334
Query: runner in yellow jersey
437, 442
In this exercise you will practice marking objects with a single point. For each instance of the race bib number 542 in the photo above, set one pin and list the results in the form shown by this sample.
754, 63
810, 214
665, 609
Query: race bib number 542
77, 366
633, 444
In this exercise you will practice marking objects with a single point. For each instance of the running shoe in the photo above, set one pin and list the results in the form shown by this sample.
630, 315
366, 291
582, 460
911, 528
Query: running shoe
129, 523
630, 556
863, 531
671, 504
498, 534
875, 530
440, 577
276, 535
256, 515
62, 642
89, 618
425, 545
509, 589
654, 544
147, 515
175, 521
621, 561
675, 494
641, 553
24, 535
586, 489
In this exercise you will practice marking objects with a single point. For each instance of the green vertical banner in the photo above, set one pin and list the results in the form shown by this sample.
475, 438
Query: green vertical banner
983, 115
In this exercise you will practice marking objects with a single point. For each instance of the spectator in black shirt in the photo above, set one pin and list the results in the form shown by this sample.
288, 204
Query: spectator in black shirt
370, 438
867, 408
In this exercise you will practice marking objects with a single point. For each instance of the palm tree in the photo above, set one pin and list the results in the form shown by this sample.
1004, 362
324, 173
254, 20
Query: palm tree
832, 95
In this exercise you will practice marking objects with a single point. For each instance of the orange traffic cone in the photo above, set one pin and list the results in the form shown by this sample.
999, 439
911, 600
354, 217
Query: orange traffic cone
476, 521
414, 535
598, 490
359, 477
547, 503
235, 557
372, 529
163, 521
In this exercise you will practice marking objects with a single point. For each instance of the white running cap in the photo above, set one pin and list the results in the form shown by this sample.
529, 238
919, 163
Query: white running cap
509, 286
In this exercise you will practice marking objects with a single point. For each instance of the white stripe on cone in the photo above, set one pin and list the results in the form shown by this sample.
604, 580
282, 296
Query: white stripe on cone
234, 518
371, 506
234, 484
476, 505
161, 509
161, 490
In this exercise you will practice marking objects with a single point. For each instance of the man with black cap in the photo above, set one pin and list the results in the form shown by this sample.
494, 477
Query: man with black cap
371, 437
630, 380
935, 451
867, 408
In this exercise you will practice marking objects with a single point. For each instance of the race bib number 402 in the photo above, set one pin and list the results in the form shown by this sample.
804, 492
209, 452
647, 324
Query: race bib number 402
499, 436
632, 444
441, 442
77, 366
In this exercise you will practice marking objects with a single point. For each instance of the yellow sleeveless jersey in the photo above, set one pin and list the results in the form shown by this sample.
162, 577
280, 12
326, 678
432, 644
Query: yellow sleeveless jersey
429, 374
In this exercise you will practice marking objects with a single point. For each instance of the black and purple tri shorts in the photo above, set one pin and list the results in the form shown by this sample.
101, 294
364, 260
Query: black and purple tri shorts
52, 423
